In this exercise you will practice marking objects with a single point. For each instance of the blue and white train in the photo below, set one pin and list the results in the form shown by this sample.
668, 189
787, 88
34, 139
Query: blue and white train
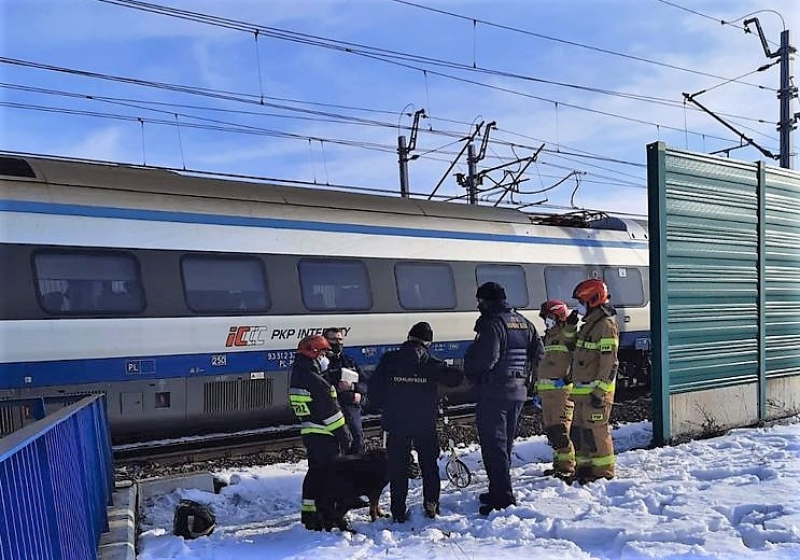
183, 297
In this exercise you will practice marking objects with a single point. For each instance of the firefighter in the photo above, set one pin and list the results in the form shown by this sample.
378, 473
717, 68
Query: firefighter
554, 384
352, 391
594, 373
404, 387
323, 429
500, 363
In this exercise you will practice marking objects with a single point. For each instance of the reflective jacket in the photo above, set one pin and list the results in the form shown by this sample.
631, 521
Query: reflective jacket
554, 369
404, 387
334, 375
594, 361
506, 351
313, 399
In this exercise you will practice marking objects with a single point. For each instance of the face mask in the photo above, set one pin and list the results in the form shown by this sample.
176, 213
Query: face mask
323, 362
549, 322
581, 309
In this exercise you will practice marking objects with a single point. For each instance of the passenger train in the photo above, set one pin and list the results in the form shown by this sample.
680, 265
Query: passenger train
183, 297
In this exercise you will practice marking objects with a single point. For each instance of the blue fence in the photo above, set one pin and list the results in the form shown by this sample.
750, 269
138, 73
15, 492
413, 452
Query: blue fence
56, 480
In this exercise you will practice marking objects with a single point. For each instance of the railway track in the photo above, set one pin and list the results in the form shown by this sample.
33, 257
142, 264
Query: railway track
233, 446
284, 444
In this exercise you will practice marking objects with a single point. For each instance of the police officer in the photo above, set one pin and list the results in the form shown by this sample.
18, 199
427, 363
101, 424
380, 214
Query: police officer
594, 370
404, 387
323, 429
554, 384
500, 362
351, 392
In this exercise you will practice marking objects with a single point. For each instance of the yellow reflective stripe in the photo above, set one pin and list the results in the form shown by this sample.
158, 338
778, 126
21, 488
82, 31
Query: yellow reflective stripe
608, 344
584, 461
570, 334
603, 461
330, 420
563, 457
298, 391
310, 430
551, 385
588, 388
556, 348
606, 387
300, 398
338, 424
333, 392
604, 344
308, 505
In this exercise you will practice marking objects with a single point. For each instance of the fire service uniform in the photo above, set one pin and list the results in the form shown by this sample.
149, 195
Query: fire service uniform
594, 372
554, 385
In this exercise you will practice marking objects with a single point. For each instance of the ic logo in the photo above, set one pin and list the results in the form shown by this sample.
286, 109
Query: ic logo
253, 335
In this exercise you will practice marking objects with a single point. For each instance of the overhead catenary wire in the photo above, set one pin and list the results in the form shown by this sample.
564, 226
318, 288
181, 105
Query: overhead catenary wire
564, 41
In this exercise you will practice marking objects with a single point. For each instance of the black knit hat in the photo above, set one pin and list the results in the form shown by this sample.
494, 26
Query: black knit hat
491, 291
422, 331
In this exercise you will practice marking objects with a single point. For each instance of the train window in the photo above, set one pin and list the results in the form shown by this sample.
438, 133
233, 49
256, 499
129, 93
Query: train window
15, 167
625, 285
510, 276
560, 281
334, 285
83, 282
224, 284
425, 286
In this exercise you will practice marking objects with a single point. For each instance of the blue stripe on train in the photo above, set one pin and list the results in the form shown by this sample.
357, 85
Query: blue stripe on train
215, 219
108, 370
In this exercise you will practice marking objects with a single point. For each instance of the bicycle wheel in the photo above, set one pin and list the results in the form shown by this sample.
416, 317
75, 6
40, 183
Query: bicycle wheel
458, 473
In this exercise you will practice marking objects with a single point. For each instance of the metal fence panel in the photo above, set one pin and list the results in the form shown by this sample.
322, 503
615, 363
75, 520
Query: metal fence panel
56, 479
724, 277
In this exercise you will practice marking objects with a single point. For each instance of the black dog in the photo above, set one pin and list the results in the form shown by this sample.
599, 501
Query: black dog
338, 485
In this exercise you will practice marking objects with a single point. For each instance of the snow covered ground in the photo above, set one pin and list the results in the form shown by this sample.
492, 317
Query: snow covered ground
731, 497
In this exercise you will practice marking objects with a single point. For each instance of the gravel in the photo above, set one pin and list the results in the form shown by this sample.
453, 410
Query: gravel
636, 410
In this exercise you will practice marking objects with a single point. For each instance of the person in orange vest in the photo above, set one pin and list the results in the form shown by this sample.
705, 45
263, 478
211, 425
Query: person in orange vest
554, 384
594, 373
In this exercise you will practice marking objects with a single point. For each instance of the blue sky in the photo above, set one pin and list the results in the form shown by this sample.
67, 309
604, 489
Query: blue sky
340, 113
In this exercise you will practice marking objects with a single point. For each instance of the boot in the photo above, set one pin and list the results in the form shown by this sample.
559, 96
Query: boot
484, 498
431, 509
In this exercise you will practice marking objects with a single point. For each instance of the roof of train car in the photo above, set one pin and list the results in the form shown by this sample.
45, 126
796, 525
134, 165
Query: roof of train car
163, 181
57, 171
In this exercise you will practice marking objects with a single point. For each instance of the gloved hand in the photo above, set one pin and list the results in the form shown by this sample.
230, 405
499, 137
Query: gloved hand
598, 398
572, 319
344, 438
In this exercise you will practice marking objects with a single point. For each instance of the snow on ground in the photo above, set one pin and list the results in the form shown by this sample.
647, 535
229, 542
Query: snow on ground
731, 497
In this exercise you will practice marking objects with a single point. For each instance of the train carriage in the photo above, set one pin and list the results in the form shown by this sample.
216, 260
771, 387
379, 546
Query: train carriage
183, 297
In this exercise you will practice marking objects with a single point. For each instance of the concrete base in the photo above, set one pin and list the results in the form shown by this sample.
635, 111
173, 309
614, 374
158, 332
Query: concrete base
703, 412
783, 397
119, 543
159, 486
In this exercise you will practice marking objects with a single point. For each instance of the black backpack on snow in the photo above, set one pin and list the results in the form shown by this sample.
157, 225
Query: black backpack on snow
193, 520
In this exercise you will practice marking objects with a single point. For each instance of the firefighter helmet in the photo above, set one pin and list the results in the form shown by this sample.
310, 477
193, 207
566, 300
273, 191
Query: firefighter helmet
592, 292
554, 308
313, 345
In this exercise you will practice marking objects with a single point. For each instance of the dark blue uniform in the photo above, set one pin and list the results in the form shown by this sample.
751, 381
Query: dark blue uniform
350, 408
405, 388
499, 362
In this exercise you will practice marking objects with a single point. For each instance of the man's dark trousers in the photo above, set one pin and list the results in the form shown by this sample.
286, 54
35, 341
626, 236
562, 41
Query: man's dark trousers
497, 421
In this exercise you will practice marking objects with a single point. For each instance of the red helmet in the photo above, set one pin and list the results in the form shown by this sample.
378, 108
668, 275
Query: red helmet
592, 292
554, 308
313, 345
